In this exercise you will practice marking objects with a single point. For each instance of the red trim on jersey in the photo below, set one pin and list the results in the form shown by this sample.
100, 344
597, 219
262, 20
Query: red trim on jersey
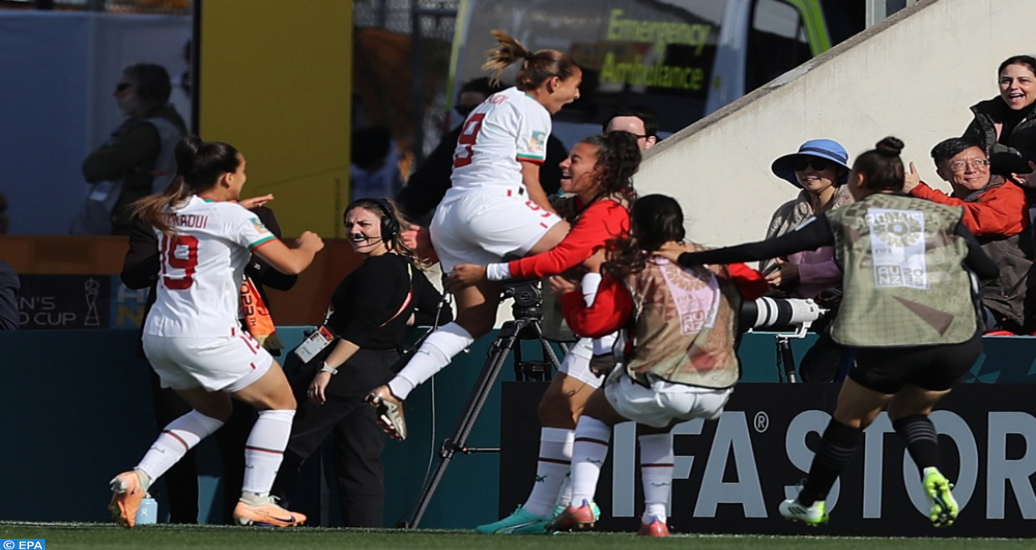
533, 160
252, 365
260, 244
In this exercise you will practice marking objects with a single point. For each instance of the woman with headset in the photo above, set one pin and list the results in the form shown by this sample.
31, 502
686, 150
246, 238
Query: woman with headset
372, 308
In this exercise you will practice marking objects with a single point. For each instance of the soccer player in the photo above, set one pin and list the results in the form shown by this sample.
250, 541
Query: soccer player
192, 336
495, 206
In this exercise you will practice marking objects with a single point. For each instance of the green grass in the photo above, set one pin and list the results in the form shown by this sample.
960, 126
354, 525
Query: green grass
62, 536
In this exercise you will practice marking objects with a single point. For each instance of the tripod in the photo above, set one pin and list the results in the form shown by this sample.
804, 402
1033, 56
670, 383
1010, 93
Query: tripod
525, 326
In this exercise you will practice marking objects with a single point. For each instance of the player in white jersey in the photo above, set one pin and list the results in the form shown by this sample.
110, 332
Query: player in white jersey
192, 337
496, 206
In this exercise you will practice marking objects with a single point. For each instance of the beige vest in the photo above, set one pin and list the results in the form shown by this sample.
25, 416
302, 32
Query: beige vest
904, 283
684, 327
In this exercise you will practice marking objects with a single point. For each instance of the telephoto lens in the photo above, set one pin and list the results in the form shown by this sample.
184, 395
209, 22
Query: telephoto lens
769, 312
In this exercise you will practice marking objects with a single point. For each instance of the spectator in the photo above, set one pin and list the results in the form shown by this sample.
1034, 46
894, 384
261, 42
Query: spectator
638, 122
372, 307
819, 168
996, 213
429, 182
9, 283
138, 158
374, 171
1005, 124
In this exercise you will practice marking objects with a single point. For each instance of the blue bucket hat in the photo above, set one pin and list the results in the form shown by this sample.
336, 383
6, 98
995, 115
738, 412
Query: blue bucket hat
827, 149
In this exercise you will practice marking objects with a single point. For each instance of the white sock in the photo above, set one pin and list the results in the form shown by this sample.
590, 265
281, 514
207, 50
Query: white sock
435, 353
551, 470
589, 285
180, 436
264, 450
588, 453
565, 493
656, 471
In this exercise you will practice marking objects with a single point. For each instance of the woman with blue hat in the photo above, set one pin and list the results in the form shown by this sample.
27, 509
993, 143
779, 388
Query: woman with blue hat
820, 168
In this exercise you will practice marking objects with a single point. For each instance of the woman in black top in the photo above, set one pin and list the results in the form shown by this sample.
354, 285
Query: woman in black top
905, 308
372, 308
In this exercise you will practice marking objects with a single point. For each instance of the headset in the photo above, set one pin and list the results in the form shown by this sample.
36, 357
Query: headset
389, 223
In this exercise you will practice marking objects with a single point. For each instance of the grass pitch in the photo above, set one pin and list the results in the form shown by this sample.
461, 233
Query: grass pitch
60, 536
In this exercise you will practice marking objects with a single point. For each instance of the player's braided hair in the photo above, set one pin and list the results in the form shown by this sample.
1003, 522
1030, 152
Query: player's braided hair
536, 67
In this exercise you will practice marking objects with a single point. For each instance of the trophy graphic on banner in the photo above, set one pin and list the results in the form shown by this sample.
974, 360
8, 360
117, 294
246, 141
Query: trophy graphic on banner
91, 286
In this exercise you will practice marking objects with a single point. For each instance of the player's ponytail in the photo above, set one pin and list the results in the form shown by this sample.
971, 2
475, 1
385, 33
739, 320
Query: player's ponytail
536, 67
199, 165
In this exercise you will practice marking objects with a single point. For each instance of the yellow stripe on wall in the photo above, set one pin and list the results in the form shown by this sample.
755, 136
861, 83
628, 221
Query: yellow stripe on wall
276, 82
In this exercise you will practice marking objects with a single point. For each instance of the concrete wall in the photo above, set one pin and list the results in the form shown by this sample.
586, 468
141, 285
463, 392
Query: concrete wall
912, 76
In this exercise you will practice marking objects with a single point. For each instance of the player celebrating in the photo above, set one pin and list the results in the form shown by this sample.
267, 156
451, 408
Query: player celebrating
495, 207
192, 338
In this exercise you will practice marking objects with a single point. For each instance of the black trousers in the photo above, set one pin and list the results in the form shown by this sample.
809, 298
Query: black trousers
181, 481
358, 442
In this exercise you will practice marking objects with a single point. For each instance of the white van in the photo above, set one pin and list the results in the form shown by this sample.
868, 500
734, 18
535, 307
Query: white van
681, 59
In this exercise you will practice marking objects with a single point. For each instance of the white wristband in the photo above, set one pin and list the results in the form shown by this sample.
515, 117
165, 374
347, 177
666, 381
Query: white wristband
498, 272
324, 368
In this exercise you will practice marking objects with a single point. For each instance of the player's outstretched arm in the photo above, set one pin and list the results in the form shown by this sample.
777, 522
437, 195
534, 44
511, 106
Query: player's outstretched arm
291, 260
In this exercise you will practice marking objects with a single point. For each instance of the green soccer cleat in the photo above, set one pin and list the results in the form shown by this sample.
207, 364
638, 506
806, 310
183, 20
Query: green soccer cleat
520, 522
944, 506
814, 515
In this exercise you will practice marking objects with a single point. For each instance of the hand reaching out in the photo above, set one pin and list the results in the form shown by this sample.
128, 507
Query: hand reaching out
256, 201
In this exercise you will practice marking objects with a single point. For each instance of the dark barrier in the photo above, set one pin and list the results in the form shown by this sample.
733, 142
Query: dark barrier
731, 474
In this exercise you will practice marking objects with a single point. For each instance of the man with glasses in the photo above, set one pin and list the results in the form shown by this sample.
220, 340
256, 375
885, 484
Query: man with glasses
995, 211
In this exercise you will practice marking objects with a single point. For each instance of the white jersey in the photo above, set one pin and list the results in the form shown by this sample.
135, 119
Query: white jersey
202, 268
509, 127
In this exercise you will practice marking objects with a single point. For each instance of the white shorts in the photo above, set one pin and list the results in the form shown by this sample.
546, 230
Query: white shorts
481, 226
664, 402
225, 363
577, 363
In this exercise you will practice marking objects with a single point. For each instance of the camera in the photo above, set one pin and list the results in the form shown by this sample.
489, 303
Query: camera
528, 299
769, 312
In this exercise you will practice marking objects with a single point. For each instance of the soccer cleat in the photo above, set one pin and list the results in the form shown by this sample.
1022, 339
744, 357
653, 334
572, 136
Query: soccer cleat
268, 514
573, 519
390, 411
657, 528
813, 515
559, 509
126, 496
520, 522
944, 506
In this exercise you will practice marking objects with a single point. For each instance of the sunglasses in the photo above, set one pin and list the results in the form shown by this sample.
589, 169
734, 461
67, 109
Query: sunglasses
818, 164
123, 86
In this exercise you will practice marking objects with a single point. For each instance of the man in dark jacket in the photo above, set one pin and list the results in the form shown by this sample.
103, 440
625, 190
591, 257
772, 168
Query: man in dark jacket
137, 159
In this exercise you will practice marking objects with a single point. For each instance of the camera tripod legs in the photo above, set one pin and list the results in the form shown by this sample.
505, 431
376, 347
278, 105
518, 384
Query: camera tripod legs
504, 343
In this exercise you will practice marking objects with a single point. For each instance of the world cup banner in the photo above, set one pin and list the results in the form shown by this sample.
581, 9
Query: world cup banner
731, 474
